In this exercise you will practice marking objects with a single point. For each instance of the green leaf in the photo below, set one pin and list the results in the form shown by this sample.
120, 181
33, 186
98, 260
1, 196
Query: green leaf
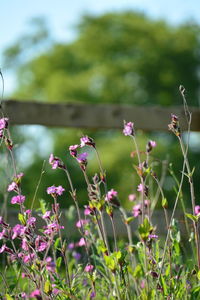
56, 244
138, 272
145, 229
58, 262
47, 287
8, 297
164, 285
164, 203
191, 217
22, 219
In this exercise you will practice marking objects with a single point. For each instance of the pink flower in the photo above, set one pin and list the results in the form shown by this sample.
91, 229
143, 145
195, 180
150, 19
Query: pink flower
137, 210
60, 190
111, 197
12, 187
131, 197
28, 257
47, 214
140, 188
89, 268
25, 245
81, 223
3, 123
19, 199
85, 140
3, 234
50, 265
31, 221
18, 230
53, 190
81, 242
56, 162
73, 150
42, 246
197, 210
128, 129
35, 293
150, 146
87, 210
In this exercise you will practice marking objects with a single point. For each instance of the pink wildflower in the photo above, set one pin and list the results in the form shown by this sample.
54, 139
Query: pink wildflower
56, 162
131, 197
81, 242
128, 129
53, 190
3, 123
89, 268
18, 230
150, 146
35, 293
19, 199
81, 223
12, 187
73, 150
137, 210
197, 210
47, 215
87, 141
111, 197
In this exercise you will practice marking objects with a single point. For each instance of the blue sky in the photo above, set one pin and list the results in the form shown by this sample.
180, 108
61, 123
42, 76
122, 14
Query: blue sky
62, 15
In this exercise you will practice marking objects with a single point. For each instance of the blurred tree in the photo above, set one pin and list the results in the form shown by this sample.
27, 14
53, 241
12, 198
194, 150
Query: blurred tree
116, 58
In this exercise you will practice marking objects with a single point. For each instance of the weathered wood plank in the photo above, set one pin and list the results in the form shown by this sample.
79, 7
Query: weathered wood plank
95, 116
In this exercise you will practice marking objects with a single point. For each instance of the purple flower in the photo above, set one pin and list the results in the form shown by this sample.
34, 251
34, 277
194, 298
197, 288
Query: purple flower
19, 199
87, 141
3, 123
76, 255
89, 268
92, 295
71, 246
73, 150
53, 190
82, 158
197, 210
56, 162
128, 129
153, 236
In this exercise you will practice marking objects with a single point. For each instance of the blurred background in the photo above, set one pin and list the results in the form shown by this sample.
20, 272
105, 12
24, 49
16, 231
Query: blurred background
133, 52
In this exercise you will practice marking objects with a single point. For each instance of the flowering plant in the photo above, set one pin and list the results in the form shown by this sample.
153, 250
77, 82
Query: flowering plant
45, 264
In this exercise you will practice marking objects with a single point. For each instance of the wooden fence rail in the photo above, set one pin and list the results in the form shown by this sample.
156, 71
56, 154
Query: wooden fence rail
95, 116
